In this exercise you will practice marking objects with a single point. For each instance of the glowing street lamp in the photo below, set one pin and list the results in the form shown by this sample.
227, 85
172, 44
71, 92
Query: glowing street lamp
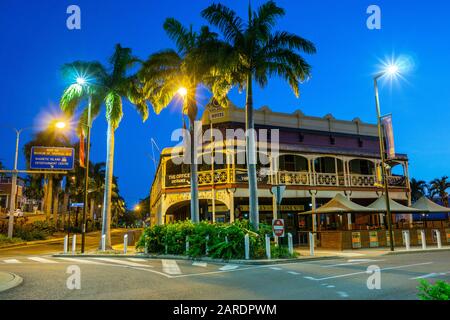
81, 81
390, 70
182, 91
60, 125
137, 208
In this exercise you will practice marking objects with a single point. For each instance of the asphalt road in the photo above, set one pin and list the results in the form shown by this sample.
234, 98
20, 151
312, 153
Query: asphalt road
45, 277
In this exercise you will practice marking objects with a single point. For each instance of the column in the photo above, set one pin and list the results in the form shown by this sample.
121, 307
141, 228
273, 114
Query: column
314, 216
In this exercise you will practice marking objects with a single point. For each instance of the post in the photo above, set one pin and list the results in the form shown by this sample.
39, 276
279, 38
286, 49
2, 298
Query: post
187, 244
145, 244
290, 244
226, 239
125, 243
383, 162
407, 240
86, 177
213, 188
438, 238
103, 242
66, 244
74, 244
12, 202
424, 239
247, 247
268, 247
311, 244
207, 240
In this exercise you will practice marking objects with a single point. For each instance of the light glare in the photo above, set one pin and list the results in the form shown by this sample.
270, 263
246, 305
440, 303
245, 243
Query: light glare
81, 81
182, 91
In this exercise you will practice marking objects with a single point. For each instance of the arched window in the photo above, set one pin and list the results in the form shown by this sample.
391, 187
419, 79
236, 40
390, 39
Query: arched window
362, 166
293, 163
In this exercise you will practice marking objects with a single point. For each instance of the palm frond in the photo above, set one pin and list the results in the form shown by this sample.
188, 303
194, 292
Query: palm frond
184, 39
71, 98
114, 111
225, 20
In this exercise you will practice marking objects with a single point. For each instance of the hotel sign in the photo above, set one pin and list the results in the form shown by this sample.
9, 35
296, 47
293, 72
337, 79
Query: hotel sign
177, 180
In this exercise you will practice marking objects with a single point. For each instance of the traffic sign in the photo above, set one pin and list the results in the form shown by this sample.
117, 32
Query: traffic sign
52, 158
278, 227
77, 205
278, 192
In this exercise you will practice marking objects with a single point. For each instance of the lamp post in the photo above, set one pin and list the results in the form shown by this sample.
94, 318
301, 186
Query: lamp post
390, 70
82, 82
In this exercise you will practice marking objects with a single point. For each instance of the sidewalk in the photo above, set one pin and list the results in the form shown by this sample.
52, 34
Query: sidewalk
9, 280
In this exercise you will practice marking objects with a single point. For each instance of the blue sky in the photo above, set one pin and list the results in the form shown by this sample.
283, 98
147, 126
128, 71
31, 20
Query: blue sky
35, 43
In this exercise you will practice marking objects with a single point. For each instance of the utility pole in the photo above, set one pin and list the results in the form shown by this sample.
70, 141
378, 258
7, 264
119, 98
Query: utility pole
86, 177
12, 203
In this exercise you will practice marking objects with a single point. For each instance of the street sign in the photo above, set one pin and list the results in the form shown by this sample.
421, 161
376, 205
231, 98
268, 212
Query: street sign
77, 205
278, 192
278, 227
52, 158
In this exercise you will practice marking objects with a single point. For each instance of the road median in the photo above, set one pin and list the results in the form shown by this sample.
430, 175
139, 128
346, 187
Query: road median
9, 280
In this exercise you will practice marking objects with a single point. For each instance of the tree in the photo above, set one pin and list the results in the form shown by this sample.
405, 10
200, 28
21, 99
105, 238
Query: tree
418, 189
439, 187
254, 52
190, 66
106, 87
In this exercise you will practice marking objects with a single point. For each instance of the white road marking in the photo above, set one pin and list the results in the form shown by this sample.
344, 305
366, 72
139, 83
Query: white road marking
170, 267
330, 286
293, 272
136, 259
123, 262
85, 261
275, 268
41, 260
200, 264
342, 294
309, 278
350, 263
364, 272
360, 260
228, 267
425, 276
11, 261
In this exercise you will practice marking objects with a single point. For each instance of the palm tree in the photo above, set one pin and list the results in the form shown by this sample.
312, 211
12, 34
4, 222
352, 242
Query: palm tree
439, 187
254, 52
418, 189
189, 67
109, 89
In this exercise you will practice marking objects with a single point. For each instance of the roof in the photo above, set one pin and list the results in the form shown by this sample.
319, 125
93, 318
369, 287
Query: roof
426, 205
380, 206
340, 204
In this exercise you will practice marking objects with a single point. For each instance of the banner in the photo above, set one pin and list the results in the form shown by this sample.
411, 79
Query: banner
82, 151
373, 239
356, 240
386, 121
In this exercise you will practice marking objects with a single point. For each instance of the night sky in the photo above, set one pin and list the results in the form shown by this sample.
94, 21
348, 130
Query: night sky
35, 42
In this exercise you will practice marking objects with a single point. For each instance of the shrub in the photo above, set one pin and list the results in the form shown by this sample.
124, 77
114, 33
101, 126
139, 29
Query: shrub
38, 230
439, 291
5, 240
221, 240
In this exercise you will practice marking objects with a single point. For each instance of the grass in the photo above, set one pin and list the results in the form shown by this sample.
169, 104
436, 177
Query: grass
4, 240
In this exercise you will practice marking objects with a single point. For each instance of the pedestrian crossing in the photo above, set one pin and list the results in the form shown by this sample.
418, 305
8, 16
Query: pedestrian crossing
169, 267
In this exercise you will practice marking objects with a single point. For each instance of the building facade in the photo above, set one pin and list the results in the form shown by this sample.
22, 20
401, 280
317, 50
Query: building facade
317, 158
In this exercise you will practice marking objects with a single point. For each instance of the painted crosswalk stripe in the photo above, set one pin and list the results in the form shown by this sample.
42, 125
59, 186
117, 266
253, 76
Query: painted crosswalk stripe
425, 276
11, 261
200, 264
83, 261
342, 294
42, 260
136, 259
123, 262
170, 267
350, 263
228, 267
275, 268
293, 272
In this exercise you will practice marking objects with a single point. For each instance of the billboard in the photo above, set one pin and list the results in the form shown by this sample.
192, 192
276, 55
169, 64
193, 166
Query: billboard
52, 158
389, 135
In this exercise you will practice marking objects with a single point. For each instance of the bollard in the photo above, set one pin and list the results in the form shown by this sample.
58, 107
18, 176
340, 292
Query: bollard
290, 244
74, 244
424, 239
247, 247
125, 244
145, 244
103, 242
226, 239
207, 240
66, 244
187, 244
268, 247
311, 244
407, 240
438, 238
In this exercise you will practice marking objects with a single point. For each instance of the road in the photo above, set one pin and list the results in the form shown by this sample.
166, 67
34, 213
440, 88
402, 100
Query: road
45, 277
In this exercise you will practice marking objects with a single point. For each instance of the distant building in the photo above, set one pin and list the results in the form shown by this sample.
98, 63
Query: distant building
5, 193
318, 158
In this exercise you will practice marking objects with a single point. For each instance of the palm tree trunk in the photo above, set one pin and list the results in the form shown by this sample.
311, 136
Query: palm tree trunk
251, 155
195, 216
48, 200
91, 210
65, 207
55, 209
106, 225
44, 198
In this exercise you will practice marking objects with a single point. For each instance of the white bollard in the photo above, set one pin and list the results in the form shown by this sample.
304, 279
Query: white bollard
187, 244
125, 244
438, 238
424, 239
268, 255
145, 245
311, 244
407, 240
104, 242
207, 249
247, 247
74, 244
226, 239
66, 244
290, 244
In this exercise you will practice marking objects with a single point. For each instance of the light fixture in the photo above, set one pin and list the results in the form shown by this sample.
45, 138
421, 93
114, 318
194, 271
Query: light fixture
60, 124
81, 81
182, 91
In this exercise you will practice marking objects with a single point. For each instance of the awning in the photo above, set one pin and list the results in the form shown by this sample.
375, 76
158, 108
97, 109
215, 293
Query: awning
380, 206
339, 204
426, 205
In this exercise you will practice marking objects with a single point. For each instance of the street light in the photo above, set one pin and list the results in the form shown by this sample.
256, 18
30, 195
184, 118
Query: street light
391, 70
60, 125
182, 91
